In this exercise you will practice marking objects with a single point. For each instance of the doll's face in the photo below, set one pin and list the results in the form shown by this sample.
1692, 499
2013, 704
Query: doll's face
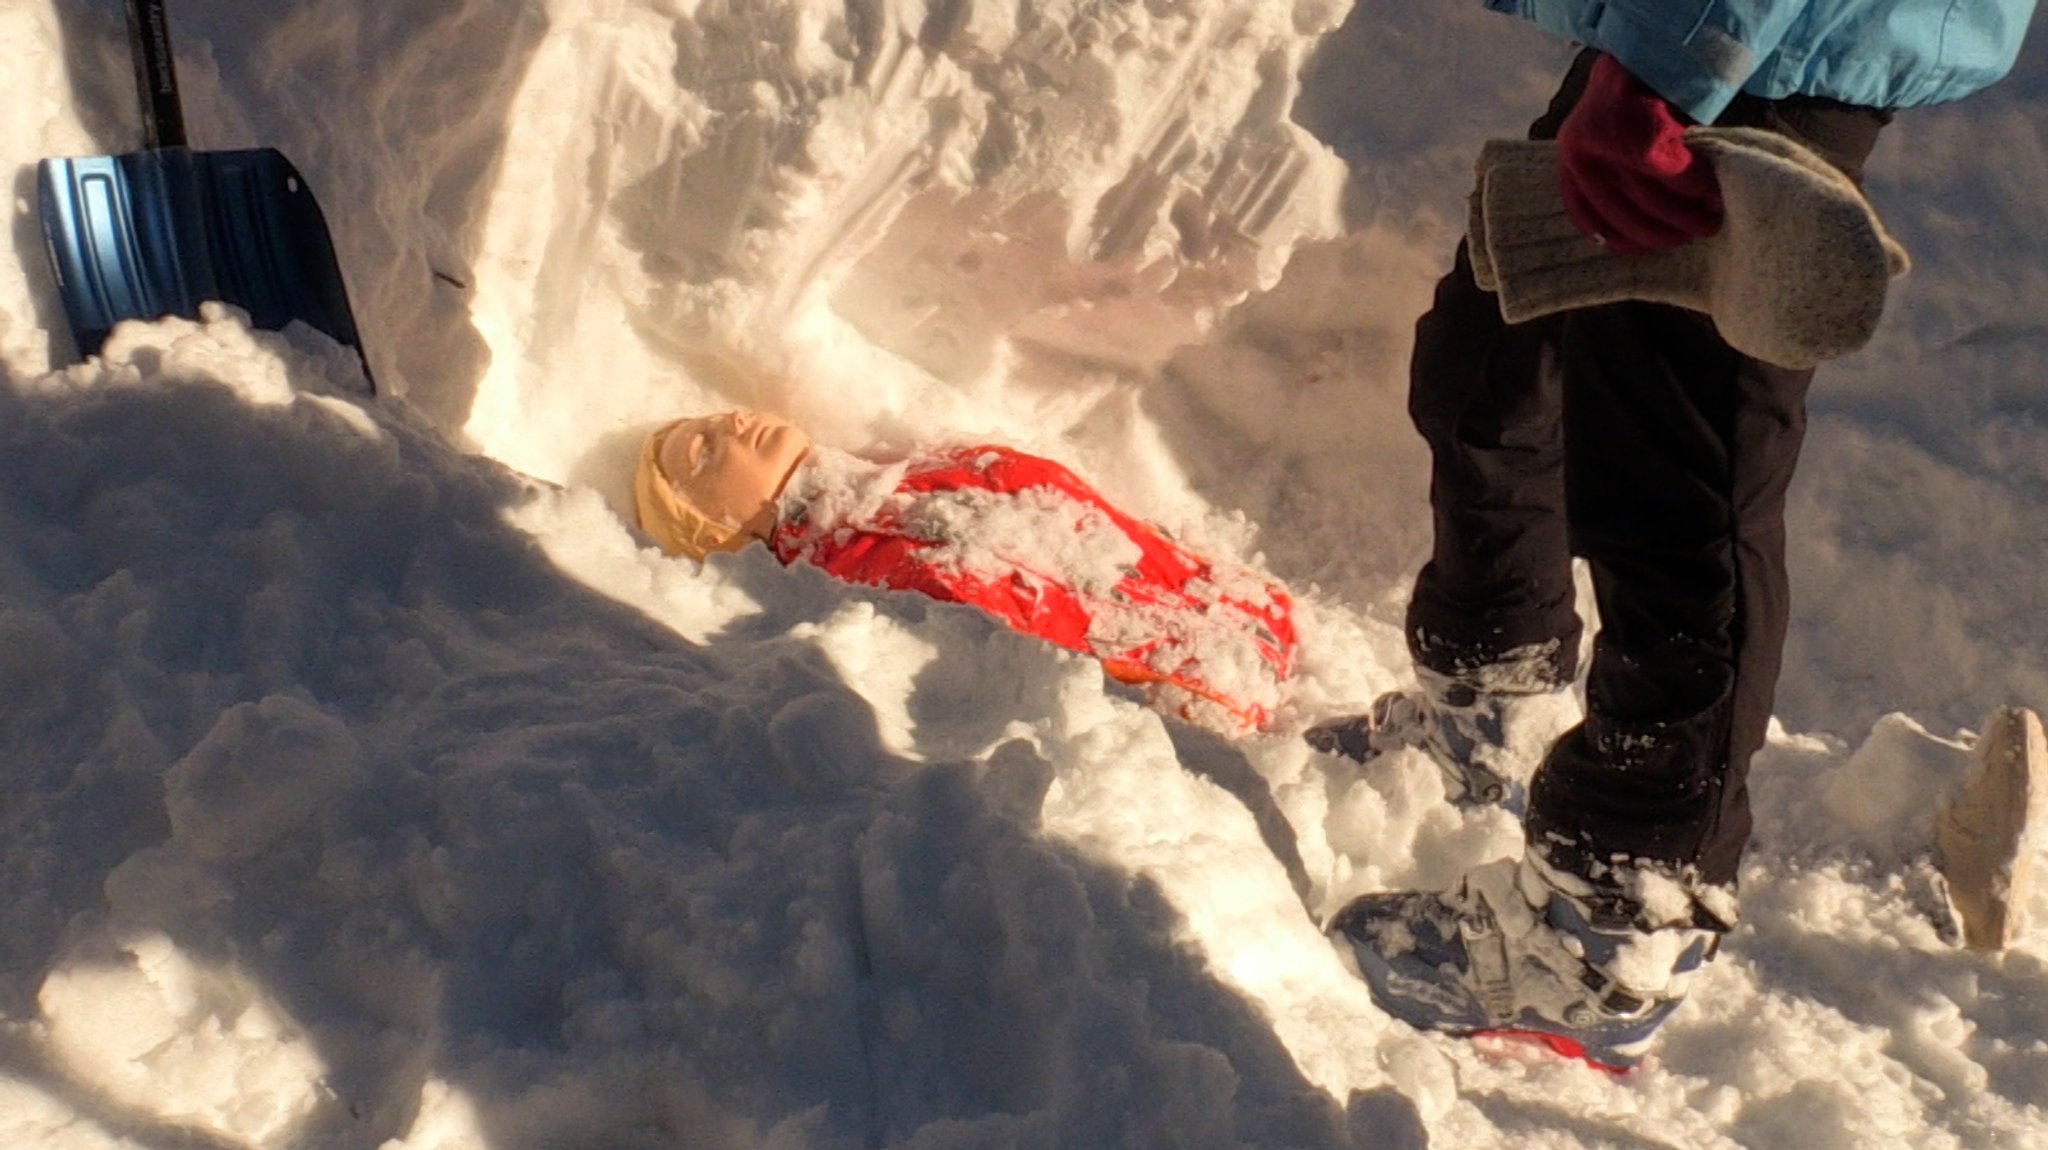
732, 466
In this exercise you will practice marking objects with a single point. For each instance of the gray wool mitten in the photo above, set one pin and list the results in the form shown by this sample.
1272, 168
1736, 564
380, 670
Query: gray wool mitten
1796, 275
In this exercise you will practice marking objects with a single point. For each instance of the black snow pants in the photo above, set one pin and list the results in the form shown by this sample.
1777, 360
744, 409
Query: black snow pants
1633, 436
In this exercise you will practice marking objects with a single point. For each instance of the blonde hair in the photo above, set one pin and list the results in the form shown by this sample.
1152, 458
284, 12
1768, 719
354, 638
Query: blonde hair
678, 527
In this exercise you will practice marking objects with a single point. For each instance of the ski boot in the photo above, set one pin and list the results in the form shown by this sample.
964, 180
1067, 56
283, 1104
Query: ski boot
1512, 951
1487, 744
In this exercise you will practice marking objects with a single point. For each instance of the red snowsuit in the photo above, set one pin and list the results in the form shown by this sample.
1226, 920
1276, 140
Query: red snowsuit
989, 525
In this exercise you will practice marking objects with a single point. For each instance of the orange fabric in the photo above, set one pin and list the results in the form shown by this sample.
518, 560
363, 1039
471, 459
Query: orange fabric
883, 553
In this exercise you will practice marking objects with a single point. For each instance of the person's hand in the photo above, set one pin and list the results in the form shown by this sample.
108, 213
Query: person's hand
1629, 179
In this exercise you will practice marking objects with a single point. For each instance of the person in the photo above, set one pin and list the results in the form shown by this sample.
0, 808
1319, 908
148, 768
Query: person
1631, 435
1019, 536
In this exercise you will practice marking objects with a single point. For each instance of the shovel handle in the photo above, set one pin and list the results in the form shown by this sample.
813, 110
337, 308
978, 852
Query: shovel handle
156, 76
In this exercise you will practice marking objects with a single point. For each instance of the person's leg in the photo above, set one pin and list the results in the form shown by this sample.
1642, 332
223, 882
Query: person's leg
1493, 606
1492, 627
1496, 592
1680, 452
1677, 453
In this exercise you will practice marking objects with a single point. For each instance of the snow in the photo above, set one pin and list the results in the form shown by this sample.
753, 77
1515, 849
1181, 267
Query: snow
368, 782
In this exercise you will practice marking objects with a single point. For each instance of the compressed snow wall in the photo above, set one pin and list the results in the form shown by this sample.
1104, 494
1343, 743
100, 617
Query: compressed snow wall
563, 221
730, 202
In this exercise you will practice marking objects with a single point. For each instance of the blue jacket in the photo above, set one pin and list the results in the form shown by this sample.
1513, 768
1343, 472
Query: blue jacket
1876, 53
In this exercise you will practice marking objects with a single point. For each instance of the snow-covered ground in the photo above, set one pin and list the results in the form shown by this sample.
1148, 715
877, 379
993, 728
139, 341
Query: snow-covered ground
365, 781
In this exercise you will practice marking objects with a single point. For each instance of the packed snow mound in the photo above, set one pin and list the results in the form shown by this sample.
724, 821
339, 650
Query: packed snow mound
340, 814
343, 811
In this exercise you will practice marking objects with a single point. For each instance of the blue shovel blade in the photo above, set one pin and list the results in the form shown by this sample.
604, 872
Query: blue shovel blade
155, 233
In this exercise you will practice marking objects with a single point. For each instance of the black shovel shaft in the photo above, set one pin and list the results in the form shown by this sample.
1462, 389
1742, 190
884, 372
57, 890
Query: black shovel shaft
156, 77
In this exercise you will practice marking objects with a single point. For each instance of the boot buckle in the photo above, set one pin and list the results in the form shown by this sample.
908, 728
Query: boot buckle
1486, 947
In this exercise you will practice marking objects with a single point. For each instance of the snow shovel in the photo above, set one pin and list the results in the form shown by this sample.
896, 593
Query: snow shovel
152, 233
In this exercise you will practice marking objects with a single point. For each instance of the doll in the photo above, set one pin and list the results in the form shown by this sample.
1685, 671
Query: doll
1016, 535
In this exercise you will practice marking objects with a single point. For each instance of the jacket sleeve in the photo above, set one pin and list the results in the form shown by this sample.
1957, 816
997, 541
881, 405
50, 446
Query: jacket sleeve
1695, 53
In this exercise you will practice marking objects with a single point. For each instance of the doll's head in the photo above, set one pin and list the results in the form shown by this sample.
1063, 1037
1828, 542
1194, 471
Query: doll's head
710, 483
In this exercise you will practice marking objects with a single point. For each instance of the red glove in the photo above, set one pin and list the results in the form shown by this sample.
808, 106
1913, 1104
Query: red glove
1628, 177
